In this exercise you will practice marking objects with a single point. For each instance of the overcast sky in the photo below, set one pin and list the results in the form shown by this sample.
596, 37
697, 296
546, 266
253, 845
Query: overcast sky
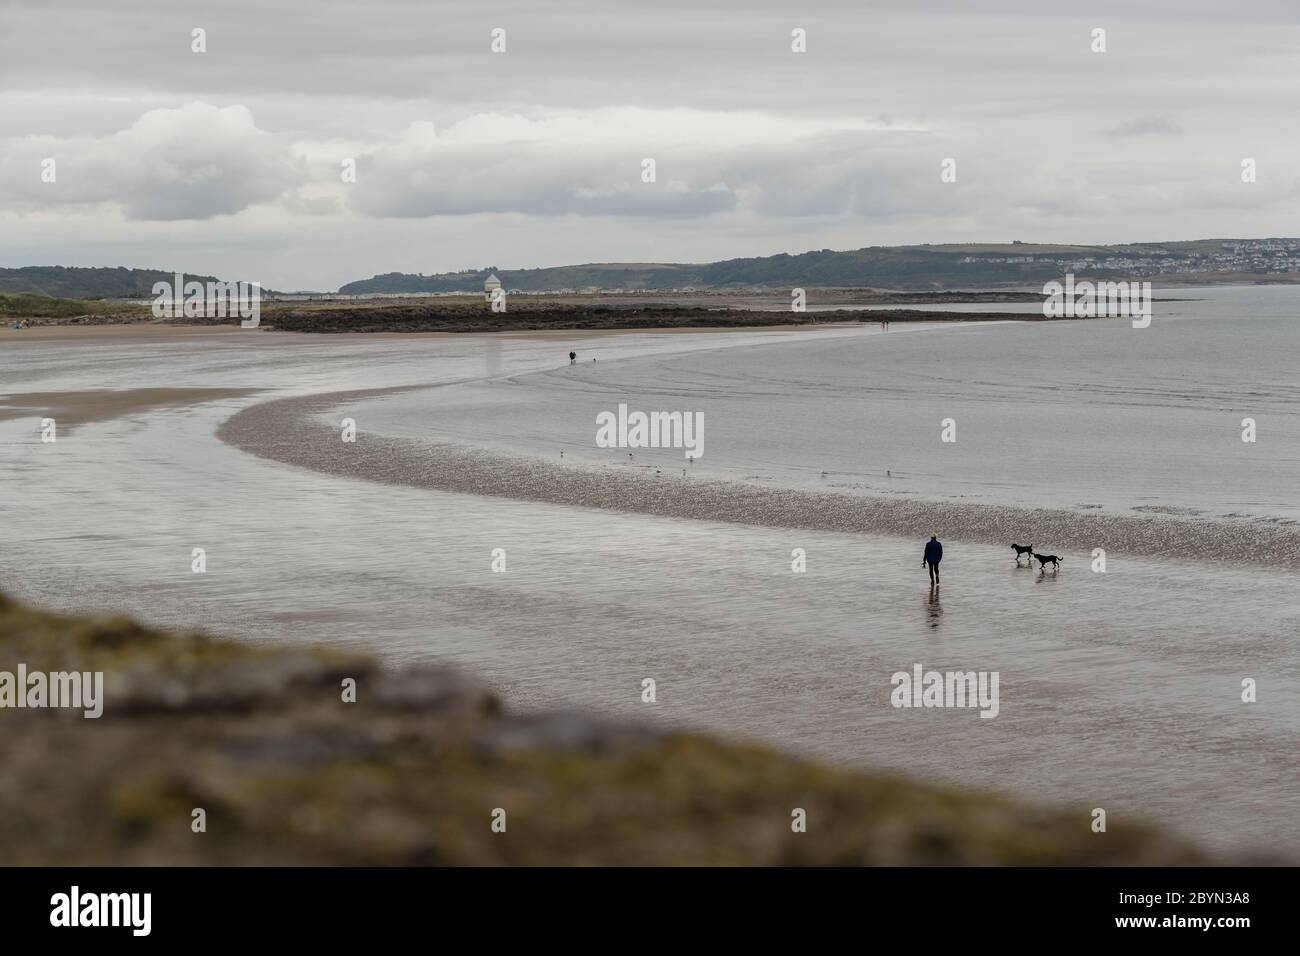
228, 162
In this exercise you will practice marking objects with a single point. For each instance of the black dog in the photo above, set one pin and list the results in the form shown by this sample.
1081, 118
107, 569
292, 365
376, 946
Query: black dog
1023, 549
1045, 559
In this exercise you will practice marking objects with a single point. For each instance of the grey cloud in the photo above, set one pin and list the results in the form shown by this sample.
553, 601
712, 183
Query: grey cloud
1145, 126
1052, 142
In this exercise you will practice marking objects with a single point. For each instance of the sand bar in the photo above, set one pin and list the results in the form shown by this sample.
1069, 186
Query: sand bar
289, 431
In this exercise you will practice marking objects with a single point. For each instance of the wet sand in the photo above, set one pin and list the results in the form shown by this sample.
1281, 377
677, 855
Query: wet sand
149, 332
108, 333
69, 409
1118, 690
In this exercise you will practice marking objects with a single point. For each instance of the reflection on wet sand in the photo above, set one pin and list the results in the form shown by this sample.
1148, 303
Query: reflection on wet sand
933, 609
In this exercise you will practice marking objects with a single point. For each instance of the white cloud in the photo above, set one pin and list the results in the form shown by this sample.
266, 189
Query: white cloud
193, 162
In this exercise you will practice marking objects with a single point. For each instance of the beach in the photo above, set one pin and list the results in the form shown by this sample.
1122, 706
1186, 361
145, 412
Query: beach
1119, 689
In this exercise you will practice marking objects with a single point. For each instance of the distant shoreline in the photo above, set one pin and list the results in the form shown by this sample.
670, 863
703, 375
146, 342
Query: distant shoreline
528, 312
520, 316
464, 319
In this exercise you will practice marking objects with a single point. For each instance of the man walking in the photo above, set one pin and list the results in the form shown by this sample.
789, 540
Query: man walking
933, 555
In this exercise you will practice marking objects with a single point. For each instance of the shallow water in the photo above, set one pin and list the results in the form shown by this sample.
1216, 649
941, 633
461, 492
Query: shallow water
1077, 415
1118, 690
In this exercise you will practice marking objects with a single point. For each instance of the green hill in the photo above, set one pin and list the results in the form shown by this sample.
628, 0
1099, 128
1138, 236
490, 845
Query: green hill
923, 267
24, 305
69, 282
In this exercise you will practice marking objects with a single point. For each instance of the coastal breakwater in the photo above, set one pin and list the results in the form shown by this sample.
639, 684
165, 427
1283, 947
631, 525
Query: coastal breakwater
520, 316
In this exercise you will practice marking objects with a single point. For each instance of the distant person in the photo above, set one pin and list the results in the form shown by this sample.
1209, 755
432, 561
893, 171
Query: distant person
573, 358
933, 555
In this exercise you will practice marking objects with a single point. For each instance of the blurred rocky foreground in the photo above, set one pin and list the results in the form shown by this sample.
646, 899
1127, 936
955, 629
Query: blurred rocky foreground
411, 774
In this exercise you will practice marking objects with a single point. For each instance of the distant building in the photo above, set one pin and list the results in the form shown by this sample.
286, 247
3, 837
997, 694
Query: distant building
490, 285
